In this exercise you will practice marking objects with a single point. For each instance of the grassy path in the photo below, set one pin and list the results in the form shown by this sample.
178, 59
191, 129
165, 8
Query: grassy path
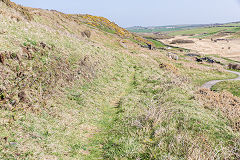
210, 84
100, 101
110, 114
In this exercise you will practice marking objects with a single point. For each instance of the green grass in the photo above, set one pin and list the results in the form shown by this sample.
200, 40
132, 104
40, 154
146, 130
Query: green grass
157, 43
29, 42
234, 30
137, 42
148, 115
208, 30
171, 28
107, 30
230, 86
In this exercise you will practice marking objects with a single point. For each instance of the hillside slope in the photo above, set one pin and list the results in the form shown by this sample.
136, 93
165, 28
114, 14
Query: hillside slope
72, 90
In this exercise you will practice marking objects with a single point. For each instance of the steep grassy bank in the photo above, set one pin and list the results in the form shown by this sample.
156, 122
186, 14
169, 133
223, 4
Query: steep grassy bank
65, 96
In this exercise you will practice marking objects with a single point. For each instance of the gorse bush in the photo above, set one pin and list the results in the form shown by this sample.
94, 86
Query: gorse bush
98, 21
104, 23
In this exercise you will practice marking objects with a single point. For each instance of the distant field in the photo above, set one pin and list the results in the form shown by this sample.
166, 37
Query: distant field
232, 24
206, 31
200, 31
170, 28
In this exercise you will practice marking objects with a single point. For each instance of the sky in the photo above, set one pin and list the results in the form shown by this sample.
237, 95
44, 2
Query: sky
128, 13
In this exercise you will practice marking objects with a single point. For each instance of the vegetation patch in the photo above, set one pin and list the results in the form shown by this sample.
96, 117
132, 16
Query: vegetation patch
151, 122
157, 43
23, 10
111, 27
224, 102
230, 86
181, 41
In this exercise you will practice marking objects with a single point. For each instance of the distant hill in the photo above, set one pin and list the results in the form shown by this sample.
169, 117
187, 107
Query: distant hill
168, 28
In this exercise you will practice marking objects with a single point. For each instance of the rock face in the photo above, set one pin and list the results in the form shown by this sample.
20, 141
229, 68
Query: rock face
2, 58
234, 66
193, 55
172, 56
86, 33
23, 96
207, 59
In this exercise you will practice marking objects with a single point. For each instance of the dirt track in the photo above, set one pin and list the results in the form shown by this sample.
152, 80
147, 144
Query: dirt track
206, 46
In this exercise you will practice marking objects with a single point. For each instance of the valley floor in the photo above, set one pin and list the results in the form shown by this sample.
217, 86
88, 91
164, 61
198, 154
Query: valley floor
229, 49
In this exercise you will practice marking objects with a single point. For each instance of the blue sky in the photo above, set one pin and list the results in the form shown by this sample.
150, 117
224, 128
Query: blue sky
128, 13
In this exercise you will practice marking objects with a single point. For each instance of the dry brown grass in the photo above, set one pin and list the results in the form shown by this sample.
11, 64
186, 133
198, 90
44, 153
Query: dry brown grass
155, 36
23, 10
46, 70
196, 66
228, 104
169, 67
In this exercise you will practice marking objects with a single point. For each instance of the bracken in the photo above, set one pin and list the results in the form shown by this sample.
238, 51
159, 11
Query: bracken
228, 104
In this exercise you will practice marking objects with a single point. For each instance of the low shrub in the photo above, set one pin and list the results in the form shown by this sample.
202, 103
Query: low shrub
180, 41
